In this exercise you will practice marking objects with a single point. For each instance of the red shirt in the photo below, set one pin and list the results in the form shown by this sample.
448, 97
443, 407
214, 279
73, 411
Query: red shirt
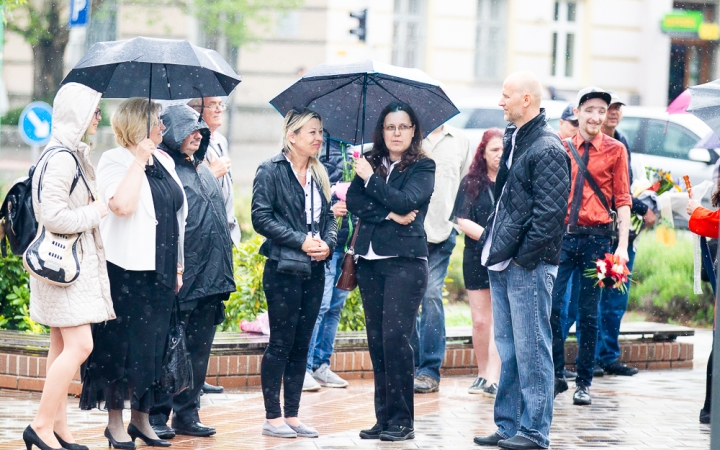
705, 222
608, 165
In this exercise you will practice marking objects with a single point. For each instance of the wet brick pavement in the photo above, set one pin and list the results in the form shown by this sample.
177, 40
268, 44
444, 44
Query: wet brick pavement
652, 410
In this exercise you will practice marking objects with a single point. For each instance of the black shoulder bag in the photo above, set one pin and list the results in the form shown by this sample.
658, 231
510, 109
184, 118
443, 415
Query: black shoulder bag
613, 231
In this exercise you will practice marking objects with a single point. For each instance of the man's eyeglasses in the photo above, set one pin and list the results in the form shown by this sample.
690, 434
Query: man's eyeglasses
402, 128
98, 114
218, 106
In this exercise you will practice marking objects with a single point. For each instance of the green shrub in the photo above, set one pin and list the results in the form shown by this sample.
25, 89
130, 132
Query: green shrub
12, 117
15, 296
352, 317
663, 282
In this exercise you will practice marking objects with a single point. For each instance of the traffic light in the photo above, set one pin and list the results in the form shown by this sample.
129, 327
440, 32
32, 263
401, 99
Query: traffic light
361, 30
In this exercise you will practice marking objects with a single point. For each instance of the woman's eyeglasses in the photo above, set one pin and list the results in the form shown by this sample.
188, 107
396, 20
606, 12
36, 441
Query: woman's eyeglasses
98, 114
217, 106
402, 128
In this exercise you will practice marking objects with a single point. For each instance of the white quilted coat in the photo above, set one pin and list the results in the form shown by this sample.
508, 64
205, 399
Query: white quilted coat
88, 299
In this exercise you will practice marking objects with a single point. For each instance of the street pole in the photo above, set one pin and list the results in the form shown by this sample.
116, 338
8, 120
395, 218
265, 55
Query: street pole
34, 154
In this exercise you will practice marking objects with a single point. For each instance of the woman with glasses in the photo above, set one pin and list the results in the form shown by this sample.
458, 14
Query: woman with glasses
291, 208
68, 310
390, 195
143, 235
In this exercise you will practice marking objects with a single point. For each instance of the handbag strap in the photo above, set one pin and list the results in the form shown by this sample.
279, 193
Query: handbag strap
588, 177
351, 250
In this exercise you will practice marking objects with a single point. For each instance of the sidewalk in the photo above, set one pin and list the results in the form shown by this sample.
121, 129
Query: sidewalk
652, 410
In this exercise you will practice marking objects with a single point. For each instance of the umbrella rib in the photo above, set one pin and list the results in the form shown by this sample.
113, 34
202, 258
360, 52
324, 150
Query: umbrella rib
325, 94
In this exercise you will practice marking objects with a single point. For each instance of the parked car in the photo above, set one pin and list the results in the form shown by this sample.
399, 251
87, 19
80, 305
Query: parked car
666, 141
479, 114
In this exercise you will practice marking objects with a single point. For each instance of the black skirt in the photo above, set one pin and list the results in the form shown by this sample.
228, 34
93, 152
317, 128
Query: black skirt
474, 273
126, 362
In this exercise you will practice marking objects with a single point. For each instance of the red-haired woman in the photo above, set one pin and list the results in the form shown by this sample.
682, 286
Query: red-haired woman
473, 205
705, 222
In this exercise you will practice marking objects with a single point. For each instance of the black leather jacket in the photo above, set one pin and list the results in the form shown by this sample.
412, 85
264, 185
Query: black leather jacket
278, 209
531, 212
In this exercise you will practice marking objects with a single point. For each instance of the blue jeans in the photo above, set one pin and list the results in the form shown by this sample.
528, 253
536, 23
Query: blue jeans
568, 316
612, 308
578, 251
428, 340
322, 341
521, 312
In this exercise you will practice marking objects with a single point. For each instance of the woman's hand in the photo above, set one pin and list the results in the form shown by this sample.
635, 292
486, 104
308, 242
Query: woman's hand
316, 248
363, 169
179, 283
407, 219
692, 205
339, 209
470, 228
100, 207
144, 151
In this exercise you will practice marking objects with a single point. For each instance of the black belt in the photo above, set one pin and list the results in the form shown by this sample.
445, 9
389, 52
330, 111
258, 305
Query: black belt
597, 230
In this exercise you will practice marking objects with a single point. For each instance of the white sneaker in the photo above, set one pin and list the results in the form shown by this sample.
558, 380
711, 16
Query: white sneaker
309, 383
328, 378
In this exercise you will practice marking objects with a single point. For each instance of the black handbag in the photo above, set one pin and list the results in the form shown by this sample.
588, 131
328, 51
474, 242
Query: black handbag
177, 372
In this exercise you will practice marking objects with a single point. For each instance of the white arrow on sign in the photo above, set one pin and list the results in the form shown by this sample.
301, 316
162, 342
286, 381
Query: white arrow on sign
42, 127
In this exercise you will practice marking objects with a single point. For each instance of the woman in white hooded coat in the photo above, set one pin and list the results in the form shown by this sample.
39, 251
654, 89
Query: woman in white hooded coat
70, 310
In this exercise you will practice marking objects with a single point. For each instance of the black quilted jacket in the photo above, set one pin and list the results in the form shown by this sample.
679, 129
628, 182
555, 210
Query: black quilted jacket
531, 212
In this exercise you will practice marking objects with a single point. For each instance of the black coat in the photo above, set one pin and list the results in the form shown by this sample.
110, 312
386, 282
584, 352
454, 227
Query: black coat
531, 213
208, 246
278, 209
406, 190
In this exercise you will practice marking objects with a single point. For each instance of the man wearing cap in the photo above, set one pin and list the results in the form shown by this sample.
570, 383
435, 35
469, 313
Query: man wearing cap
568, 123
603, 181
613, 303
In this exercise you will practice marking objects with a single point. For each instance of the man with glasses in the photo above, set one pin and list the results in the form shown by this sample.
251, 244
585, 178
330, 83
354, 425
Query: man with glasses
450, 149
218, 156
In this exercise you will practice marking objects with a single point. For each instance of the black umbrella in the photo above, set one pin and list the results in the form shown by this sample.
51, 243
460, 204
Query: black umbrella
161, 69
705, 103
349, 96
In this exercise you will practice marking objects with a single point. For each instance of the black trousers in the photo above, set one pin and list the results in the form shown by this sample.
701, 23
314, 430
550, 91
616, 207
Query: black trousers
392, 290
293, 306
200, 331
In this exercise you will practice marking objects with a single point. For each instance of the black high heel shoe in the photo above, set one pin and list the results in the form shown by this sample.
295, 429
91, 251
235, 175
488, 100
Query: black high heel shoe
134, 433
69, 446
31, 438
113, 443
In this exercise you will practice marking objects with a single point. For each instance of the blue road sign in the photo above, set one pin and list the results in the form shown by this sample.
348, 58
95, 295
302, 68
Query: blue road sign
79, 13
35, 123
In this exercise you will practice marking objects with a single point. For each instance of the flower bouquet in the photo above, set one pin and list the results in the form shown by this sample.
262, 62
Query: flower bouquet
609, 272
657, 183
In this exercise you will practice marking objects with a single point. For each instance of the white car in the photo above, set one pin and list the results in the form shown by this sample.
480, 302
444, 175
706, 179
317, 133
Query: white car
479, 114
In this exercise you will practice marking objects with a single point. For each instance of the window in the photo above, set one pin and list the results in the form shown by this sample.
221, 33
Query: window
564, 38
490, 40
408, 33
630, 128
479, 118
669, 140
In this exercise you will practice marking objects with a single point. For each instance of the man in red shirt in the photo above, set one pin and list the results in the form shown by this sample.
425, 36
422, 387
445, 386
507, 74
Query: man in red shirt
589, 231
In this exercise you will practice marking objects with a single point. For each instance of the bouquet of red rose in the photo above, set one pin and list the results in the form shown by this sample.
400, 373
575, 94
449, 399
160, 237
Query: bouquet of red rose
609, 272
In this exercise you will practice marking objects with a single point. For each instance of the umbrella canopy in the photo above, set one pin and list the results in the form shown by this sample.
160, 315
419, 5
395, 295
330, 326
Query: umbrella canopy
680, 104
164, 69
705, 104
711, 140
350, 97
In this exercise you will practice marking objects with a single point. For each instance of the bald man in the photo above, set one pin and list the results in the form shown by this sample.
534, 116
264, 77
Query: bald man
521, 249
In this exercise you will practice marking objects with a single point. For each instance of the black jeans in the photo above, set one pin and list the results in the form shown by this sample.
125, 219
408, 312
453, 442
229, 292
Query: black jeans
392, 290
293, 306
579, 251
199, 331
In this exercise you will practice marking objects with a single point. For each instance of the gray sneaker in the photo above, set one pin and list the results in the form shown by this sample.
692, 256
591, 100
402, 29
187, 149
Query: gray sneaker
303, 430
309, 383
490, 390
425, 384
477, 386
328, 378
283, 431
